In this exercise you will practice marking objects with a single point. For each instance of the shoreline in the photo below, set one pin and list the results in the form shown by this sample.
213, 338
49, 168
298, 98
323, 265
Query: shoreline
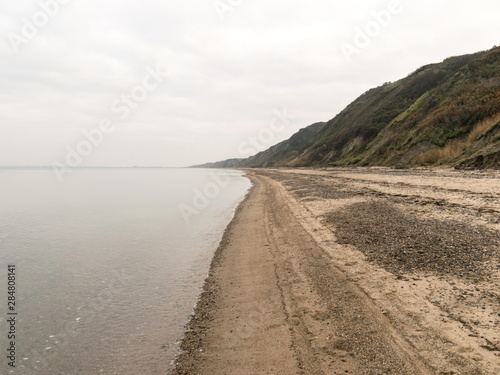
206, 304
290, 292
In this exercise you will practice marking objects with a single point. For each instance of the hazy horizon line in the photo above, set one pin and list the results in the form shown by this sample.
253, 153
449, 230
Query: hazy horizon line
87, 167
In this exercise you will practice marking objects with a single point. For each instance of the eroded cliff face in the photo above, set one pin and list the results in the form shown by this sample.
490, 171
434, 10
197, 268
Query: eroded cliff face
441, 114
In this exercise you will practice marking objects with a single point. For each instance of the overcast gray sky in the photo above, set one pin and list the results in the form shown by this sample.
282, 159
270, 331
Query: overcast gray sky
175, 83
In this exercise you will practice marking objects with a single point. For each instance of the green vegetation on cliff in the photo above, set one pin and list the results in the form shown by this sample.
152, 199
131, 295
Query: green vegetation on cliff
278, 155
442, 114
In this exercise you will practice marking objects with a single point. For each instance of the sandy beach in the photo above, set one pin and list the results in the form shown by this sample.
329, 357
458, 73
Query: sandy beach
358, 271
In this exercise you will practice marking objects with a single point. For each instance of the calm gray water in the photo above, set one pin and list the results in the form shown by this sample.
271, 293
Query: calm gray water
108, 269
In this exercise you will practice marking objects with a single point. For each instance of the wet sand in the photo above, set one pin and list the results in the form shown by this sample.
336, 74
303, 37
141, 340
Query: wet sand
362, 271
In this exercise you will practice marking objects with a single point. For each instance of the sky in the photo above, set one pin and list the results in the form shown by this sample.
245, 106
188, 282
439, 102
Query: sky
177, 83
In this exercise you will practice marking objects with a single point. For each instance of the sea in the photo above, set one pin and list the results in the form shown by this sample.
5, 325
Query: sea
100, 271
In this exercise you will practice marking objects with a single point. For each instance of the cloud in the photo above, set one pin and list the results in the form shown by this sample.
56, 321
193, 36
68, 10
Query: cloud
225, 76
